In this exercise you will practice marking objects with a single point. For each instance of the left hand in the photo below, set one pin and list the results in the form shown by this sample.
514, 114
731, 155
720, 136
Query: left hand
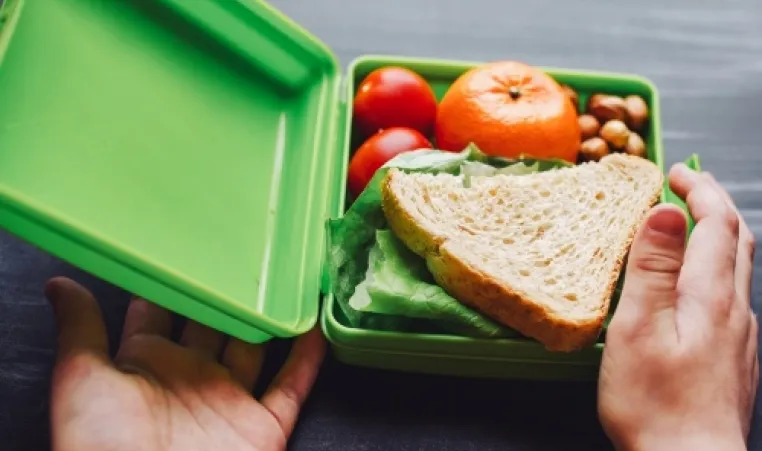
161, 395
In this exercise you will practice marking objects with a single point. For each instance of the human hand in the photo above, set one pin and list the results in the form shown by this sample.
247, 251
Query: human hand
680, 367
160, 395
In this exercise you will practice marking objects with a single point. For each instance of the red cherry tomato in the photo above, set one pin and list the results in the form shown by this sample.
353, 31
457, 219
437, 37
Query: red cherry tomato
377, 150
394, 97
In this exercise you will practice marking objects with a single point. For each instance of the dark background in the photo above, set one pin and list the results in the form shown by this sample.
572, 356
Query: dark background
706, 59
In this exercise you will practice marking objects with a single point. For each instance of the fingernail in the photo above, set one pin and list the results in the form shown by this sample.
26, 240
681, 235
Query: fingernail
667, 220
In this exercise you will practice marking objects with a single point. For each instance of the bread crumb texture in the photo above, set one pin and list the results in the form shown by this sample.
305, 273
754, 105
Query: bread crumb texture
540, 253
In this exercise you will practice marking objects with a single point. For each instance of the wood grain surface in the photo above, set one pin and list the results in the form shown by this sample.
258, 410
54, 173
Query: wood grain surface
706, 59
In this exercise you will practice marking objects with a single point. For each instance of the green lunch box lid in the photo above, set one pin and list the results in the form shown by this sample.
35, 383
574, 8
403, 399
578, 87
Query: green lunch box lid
182, 150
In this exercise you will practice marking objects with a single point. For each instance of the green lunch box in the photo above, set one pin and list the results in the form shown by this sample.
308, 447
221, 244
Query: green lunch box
191, 152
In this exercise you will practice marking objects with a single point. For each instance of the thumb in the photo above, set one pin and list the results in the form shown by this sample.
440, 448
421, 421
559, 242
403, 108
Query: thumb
80, 323
653, 267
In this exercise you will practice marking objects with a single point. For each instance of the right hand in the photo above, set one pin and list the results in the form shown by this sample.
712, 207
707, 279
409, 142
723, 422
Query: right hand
680, 366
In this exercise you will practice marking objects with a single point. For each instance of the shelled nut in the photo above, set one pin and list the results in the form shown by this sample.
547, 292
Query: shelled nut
593, 149
615, 133
636, 112
635, 145
588, 126
606, 107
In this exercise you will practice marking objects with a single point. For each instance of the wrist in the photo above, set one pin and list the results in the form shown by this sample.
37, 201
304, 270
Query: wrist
690, 441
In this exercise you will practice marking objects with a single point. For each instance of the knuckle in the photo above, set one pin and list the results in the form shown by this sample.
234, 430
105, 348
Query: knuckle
740, 319
718, 305
707, 181
291, 396
730, 219
662, 263
723, 303
133, 347
751, 244
703, 198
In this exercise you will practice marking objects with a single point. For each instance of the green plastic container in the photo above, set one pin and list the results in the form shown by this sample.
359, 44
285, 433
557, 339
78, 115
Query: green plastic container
472, 357
191, 152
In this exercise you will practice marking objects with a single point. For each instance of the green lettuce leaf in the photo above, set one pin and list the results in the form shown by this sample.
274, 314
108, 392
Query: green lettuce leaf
398, 283
378, 283
352, 237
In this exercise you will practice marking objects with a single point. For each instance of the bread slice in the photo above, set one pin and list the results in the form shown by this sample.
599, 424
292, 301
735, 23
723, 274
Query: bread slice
540, 253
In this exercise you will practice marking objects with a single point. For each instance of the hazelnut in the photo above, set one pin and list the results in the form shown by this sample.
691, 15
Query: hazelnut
572, 95
593, 149
606, 107
635, 145
615, 133
589, 126
637, 112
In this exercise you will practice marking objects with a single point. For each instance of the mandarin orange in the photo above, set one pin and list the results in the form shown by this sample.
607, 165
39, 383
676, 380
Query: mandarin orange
508, 109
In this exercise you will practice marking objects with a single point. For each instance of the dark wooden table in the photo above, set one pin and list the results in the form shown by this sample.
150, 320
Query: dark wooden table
707, 62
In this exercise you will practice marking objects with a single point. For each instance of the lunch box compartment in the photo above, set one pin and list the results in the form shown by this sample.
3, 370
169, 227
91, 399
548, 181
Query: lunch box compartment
191, 152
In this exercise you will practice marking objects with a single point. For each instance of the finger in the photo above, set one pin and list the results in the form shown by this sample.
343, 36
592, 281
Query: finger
160, 360
747, 245
244, 360
710, 258
744, 263
79, 319
293, 383
82, 352
745, 251
202, 339
699, 192
682, 180
146, 318
653, 269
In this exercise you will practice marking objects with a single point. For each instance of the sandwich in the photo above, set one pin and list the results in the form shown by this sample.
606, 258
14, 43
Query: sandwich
539, 253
